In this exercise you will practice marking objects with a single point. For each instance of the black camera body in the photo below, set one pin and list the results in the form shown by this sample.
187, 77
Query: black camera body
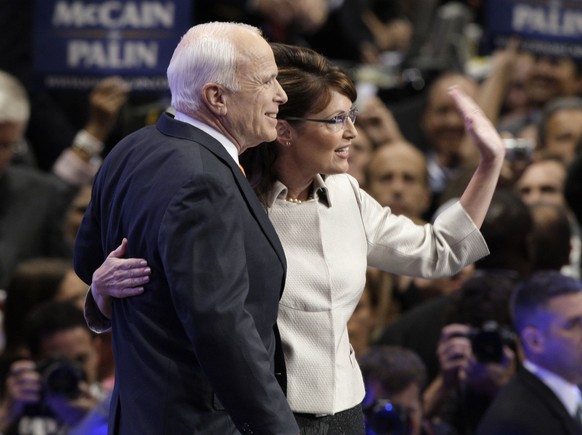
61, 377
487, 341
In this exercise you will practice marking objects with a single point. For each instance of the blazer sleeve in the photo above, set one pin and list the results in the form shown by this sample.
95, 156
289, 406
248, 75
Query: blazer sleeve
202, 249
96, 321
88, 251
397, 245
88, 256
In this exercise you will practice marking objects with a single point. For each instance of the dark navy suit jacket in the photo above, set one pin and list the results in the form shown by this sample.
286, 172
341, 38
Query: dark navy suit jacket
202, 338
526, 406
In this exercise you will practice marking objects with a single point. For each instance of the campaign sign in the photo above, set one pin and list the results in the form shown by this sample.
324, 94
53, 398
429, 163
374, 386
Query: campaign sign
77, 42
546, 27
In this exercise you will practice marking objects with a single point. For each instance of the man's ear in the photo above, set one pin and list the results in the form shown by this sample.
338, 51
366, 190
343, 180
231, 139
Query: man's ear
215, 98
284, 132
533, 340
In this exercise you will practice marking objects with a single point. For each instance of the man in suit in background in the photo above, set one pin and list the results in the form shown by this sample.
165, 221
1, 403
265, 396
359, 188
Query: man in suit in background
198, 352
33, 204
543, 398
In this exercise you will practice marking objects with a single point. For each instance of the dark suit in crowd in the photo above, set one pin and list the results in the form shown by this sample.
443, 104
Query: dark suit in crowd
526, 406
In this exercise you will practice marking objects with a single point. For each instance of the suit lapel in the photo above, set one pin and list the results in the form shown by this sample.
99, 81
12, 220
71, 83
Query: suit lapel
169, 126
555, 406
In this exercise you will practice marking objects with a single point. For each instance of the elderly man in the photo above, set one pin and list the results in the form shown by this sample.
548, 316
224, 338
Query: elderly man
199, 351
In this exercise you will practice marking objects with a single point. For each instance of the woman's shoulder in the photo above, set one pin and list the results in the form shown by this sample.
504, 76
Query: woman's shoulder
346, 188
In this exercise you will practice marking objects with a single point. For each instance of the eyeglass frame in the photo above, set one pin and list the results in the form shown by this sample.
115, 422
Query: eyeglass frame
350, 114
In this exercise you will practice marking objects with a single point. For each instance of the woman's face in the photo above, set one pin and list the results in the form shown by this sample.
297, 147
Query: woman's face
315, 146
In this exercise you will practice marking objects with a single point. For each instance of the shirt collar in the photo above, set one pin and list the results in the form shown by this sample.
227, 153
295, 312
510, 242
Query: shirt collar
569, 394
224, 141
320, 191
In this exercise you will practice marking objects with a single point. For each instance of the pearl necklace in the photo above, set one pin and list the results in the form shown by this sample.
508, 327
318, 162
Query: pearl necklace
294, 200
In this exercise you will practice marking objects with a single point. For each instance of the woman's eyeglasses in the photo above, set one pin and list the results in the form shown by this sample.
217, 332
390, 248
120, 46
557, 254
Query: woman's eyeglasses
336, 123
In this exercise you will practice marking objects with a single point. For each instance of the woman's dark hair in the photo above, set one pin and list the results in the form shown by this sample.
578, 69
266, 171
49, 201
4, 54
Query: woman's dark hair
308, 79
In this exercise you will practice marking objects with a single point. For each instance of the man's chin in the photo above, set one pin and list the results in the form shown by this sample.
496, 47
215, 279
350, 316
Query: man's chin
270, 138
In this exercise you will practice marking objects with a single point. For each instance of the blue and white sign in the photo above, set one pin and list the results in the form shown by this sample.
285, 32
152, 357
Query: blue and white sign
77, 42
552, 28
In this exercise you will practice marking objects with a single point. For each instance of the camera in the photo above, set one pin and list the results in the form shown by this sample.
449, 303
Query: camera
487, 341
61, 377
518, 149
386, 418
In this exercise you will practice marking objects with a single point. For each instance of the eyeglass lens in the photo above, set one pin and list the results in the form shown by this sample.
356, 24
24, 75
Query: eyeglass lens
351, 114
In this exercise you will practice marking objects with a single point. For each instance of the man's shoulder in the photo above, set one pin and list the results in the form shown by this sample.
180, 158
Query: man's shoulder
524, 405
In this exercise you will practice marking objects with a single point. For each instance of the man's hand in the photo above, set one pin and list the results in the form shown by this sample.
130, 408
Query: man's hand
455, 354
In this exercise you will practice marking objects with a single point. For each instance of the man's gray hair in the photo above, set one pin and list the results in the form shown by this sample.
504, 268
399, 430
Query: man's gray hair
206, 53
14, 102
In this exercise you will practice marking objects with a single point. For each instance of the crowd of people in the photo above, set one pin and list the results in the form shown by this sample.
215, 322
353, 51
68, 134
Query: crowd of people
301, 226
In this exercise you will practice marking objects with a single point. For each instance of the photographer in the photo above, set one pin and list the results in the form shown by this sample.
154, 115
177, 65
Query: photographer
476, 351
394, 378
54, 392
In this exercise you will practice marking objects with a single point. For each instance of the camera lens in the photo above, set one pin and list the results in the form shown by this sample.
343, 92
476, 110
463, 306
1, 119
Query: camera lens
386, 418
61, 377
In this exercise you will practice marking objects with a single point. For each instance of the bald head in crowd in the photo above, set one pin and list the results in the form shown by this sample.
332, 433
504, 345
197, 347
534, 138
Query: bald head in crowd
398, 178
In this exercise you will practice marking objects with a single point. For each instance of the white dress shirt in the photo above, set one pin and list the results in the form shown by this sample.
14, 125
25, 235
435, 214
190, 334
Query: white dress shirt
224, 141
569, 394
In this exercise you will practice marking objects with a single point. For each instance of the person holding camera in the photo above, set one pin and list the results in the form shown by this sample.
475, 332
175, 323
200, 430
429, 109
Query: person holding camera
476, 351
55, 391
394, 378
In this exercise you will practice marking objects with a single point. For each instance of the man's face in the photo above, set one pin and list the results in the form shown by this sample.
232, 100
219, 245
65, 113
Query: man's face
74, 344
551, 78
542, 181
398, 179
251, 116
442, 124
564, 130
561, 328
